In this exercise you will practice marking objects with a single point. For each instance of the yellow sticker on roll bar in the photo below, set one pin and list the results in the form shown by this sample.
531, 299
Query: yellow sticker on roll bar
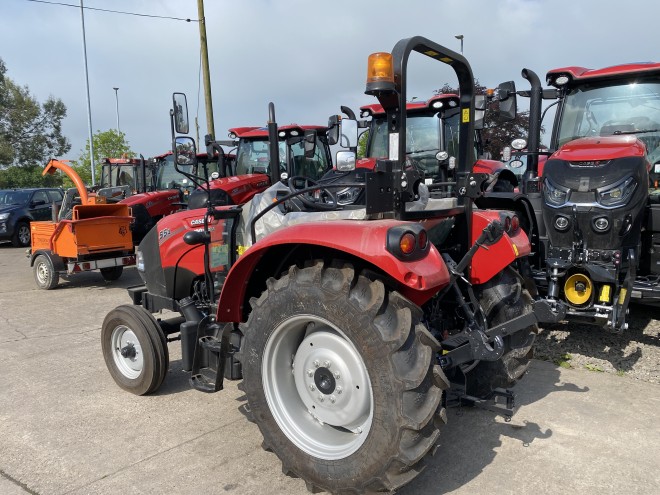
466, 115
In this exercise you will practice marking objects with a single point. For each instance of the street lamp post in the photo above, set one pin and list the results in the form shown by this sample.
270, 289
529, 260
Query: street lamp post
89, 107
117, 106
460, 37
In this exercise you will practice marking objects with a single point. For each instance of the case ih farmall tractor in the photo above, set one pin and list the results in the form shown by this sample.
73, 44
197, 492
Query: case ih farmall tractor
595, 222
347, 325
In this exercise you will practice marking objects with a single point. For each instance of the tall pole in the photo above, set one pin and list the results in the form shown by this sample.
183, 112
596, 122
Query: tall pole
89, 107
117, 106
210, 128
460, 37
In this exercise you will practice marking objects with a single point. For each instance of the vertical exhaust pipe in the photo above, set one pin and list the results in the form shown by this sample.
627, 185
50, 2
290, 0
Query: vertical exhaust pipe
273, 145
534, 137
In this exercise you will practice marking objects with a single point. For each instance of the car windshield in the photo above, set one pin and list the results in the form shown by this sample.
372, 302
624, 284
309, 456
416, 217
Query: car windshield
14, 197
252, 158
628, 108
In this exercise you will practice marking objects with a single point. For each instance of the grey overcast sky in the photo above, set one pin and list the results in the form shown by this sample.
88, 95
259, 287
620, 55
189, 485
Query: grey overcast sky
307, 56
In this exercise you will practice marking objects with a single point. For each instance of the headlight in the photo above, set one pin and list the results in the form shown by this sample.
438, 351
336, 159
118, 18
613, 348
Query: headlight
348, 196
4, 216
139, 260
618, 194
554, 196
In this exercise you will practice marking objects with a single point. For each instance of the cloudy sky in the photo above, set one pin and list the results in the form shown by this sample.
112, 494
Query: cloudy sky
306, 56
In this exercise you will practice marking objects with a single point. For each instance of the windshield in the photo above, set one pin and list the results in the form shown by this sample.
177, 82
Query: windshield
120, 175
423, 140
169, 178
252, 158
630, 108
14, 197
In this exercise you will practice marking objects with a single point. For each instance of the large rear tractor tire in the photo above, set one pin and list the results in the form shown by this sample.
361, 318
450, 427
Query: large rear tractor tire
45, 274
502, 299
340, 378
135, 349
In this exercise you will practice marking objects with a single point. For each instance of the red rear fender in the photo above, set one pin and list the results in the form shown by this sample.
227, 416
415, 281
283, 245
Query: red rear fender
488, 262
417, 280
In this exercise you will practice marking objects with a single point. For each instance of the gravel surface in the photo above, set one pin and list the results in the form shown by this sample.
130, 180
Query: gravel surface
634, 353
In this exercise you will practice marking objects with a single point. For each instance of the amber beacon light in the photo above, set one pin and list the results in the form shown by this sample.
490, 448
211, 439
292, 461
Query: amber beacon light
380, 72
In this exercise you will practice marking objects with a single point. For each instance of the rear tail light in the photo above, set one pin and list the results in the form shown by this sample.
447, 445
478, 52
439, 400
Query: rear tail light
515, 223
408, 242
511, 223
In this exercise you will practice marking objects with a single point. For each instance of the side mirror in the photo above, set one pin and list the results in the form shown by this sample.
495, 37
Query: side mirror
333, 129
185, 152
345, 161
479, 111
506, 94
349, 133
310, 143
181, 124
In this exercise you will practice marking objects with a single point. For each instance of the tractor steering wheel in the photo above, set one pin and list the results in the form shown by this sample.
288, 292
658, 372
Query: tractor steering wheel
308, 199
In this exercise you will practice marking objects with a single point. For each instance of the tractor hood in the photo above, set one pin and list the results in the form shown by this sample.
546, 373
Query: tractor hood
600, 148
594, 193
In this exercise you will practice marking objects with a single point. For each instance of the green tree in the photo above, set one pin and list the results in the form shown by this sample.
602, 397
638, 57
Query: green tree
30, 132
495, 135
107, 144
362, 144
28, 176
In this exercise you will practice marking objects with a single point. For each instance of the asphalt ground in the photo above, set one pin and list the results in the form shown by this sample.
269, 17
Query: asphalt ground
66, 428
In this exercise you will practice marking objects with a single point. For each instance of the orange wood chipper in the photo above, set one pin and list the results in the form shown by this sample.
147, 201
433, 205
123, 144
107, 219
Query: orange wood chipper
87, 233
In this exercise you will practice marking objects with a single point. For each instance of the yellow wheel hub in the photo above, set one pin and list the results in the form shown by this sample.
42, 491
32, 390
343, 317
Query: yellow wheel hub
578, 289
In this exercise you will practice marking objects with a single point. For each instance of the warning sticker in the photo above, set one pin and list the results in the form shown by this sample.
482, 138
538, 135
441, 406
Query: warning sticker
466, 115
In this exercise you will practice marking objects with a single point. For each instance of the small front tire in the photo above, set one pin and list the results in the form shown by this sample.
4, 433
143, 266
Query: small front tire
134, 349
44, 273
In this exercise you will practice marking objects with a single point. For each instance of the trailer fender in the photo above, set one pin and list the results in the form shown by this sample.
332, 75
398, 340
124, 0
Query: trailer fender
58, 262
417, 279
490, 260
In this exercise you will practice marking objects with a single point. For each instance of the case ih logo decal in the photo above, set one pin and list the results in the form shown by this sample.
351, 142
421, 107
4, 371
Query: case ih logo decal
197, 221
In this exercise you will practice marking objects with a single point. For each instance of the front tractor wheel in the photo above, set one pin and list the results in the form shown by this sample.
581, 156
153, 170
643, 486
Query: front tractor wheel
340, 377
135, 349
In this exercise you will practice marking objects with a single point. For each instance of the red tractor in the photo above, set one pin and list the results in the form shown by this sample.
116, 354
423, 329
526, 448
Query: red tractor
249, 173
593, 204
348, 324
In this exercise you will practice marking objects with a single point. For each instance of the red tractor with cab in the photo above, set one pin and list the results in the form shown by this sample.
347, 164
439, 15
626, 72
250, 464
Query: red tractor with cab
593, 195
352, 326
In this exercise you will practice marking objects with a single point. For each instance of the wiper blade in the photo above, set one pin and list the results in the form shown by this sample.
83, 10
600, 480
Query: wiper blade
645, 131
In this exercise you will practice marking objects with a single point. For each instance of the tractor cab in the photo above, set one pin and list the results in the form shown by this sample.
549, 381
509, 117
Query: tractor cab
252, 153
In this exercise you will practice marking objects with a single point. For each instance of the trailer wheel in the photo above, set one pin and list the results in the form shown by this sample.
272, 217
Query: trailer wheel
135, 349
22, 236
44, 273
112, 273
504, 298
340, 377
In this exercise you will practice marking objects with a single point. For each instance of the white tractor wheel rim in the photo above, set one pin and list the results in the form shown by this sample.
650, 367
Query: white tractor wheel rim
317, 387
127, 352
